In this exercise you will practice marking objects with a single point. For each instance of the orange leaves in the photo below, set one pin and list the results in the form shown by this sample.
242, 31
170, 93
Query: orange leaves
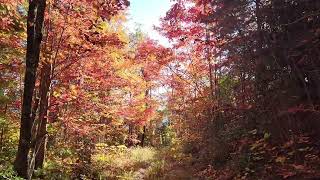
99, 39
138, 111
152, 58
94, 73
107, 9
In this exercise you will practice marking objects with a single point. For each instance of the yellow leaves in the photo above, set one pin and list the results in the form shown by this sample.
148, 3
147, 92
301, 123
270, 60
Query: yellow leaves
152, 58
129, 72
118, 122
73, 90
141, 108
104, 27
123, 36
114, 26
140, 96
119, 18
68, 94
73, 41
56, 94
116, 57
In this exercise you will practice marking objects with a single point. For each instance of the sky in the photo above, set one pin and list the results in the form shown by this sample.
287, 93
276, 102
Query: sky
146, 13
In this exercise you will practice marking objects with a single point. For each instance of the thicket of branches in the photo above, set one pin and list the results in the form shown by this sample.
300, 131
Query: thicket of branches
252, 68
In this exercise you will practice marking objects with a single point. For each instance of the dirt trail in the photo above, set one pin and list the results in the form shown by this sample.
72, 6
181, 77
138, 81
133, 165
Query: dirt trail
180, 172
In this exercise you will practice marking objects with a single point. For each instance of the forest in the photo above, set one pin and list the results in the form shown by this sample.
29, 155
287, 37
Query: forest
236, 94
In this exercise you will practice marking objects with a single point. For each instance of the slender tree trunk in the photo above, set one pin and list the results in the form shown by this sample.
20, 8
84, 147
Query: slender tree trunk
130, 129
34, 37
143, 136
43, 113
33, 117
260, 67
212, 107
1, 139
3, 129
207, 52
147, 93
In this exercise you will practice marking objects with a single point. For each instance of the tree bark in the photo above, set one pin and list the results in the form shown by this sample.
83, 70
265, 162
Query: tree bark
43, 113
34, 37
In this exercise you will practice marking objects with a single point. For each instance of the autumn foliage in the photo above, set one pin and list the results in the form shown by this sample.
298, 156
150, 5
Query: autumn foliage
235, 96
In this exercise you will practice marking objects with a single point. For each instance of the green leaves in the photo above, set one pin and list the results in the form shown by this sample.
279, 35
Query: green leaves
4, 99
8, 174
266, 135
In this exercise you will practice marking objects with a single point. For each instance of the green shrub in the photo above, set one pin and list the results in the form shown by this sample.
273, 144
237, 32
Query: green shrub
8, 174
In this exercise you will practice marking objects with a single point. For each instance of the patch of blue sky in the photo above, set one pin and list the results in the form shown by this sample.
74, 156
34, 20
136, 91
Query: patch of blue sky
146, 14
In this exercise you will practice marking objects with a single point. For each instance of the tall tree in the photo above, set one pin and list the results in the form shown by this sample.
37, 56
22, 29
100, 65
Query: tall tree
35, 20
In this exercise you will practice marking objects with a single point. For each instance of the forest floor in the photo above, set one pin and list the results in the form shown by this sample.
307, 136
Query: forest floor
144, 163
295, 159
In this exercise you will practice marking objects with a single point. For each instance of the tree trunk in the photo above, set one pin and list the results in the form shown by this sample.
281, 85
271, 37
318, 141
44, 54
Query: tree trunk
143, 136
144, 127
34, 37
260, 85
3, 129
43, 113
1, 139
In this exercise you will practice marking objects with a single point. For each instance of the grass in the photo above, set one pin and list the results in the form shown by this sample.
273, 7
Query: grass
127, 164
